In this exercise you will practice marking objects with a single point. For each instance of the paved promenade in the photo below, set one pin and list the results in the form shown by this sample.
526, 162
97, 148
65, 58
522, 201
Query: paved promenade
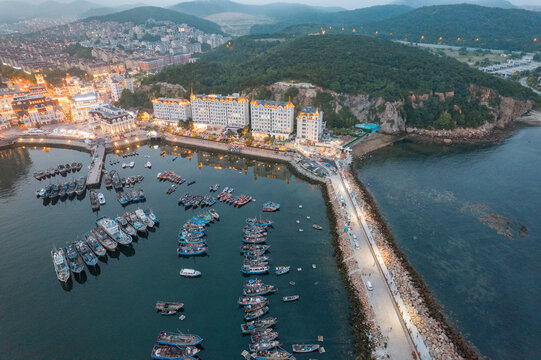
93, 178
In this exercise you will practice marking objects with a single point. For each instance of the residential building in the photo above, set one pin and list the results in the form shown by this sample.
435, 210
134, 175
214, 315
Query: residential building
310, 124
274, 118
218, 110
112, 120
32, 110
117, 83
170, 111
81, 104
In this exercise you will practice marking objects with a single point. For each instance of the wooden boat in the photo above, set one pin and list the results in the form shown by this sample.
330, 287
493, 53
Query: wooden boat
265, 335
192, 250
168, 308
254, 269
104, 239
94, 244
265, 345
256, 314
254, 307
317, 227
214, 214
178, 339
258, 290
272, 355
305, 348
270, 206
290, 298
74, 261
254, 248
252, 300
60, 265
254, 326
281, 270
174, 352
86, 253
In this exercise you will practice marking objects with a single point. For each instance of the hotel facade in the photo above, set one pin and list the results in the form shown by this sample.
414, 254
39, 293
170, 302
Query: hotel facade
117, 83
81, 104
218, 110
113, 120
169, 112
274, 118
310, 125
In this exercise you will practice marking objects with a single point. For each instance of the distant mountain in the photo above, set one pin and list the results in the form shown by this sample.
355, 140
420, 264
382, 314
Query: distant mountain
464, 25
108, 10
13, 11
504, 4
340, 18
203, 8
141, 14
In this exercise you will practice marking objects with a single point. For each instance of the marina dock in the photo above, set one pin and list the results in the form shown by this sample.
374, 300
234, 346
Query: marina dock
93, 178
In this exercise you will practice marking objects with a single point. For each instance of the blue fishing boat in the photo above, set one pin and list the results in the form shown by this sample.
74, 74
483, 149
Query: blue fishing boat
192, 250
72, 186
63, 190
74, 261
257, 240
94, 244
60, 265
255, 269
256, 314
281, 270
152, 216
254, 248
86, 253
259, 222
187, 236
272, 355
195, 241
178, 339
270, 206
169, 352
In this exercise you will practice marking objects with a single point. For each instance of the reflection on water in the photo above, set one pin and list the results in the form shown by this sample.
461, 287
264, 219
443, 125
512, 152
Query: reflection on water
14, 165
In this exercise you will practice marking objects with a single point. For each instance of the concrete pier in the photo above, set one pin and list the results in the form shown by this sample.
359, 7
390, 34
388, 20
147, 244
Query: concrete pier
93, 178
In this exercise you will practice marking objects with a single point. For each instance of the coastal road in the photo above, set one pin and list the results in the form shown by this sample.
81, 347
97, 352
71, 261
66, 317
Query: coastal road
523, 83
387, 316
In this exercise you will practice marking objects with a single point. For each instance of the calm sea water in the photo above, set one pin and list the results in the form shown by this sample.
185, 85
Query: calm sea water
110, 313
469, 220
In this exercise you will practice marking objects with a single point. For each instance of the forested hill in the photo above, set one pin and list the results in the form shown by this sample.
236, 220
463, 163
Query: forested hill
342, 63
465, 25
349, 64
141, 14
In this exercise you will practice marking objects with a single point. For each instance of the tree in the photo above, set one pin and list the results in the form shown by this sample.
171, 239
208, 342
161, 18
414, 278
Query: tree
445, 121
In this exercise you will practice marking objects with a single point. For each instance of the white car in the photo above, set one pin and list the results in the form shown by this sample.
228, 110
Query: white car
369, 286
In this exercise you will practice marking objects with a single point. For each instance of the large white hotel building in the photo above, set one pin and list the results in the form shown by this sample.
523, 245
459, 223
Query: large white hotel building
274, 118
310, 125
170, 111
218, 110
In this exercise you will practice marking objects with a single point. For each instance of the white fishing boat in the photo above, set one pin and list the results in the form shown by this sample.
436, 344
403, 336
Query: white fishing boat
124, 165
189, 273
131, 164
101, 199
112, 228
148, 164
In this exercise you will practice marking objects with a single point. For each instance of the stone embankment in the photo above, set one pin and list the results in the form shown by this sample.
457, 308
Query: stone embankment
442, 340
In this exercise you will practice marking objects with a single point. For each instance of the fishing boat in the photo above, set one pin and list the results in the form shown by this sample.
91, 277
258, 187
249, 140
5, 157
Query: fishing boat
122, 199
94, 244
86, 253
254, 326
152, 216
40, 193
254, 269
144, 218
256, 314
290, 298
101, 236
108, 181
141, 193
264, 336
270, 206
126, 227
101, 198
259, 290
254, 248
214, 187
189, 273
305, 348
178, 339
112, 228
135, 222
264, 345
199, 241
281, 270
171, 189
192, 250
72, 186
191, 182
117, 182
168, 308
254, 307
74, 261
94, 202
55, 191
63, 190
317, 227
81, 186
173, 352
148, 165
272, 355
60, 265
254, 240
252, 300
214, 214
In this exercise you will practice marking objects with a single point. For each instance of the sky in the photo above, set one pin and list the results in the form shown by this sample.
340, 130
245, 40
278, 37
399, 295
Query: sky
355, 4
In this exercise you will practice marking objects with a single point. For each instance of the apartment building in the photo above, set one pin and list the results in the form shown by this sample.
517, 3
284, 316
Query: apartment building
274, 118
169, 112
310, 124
218, 110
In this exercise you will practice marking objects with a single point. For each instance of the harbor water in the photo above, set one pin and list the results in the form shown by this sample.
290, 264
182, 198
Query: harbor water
469, 220
109, 312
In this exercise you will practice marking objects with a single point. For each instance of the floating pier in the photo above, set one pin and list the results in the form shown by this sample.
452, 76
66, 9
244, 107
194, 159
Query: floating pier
93, 178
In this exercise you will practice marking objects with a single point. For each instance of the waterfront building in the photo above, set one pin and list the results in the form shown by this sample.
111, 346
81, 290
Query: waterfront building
33, 110
170, 111
117, 83
81, 104
274, 118
112, 120
310, 124
217, 110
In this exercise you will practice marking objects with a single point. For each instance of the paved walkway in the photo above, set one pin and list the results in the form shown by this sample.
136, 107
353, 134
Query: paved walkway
400, 344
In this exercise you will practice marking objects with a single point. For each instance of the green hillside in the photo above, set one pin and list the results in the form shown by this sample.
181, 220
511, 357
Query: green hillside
141, 14
464, 25
340, 18
347, 64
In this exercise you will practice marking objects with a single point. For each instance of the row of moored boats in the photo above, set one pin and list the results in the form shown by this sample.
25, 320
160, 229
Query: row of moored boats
107, 236
59, 170
227, 197
63, 189
192, 235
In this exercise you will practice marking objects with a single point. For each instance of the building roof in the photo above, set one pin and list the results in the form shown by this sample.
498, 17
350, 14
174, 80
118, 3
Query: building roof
84, 97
